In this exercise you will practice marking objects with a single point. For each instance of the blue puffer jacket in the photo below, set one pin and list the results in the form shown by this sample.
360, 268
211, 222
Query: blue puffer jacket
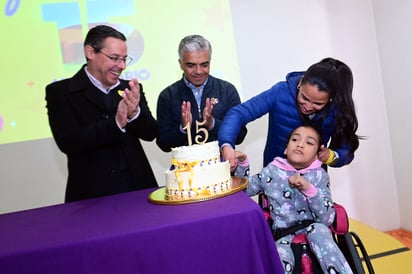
280, 103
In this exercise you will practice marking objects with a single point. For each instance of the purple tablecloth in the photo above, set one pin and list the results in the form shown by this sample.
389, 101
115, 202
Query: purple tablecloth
127, 234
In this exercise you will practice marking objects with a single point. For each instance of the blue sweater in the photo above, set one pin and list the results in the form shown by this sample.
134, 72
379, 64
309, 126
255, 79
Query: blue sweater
169, 111
280, 103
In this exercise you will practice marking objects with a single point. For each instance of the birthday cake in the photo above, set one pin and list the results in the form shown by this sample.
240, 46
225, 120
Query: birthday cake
197, 172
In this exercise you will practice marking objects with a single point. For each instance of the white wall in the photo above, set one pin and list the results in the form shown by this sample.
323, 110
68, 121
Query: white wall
280, 36
273, 38
393, 20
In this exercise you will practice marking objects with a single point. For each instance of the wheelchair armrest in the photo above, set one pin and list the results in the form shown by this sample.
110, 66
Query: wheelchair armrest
340, 225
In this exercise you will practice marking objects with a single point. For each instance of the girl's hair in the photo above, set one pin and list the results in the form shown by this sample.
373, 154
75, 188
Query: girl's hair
193, 43
335, 78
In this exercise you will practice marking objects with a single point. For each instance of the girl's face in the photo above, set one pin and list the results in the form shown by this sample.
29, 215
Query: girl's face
310, 99
302, 148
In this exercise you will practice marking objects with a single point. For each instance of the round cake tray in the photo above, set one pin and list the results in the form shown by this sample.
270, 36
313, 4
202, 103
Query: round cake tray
159, 195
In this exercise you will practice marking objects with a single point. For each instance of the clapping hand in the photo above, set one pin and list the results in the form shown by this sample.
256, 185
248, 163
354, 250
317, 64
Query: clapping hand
186, 118
207, 114
129, 105
132, 97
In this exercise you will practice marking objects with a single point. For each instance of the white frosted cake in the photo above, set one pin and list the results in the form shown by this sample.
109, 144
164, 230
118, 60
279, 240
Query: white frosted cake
197, 172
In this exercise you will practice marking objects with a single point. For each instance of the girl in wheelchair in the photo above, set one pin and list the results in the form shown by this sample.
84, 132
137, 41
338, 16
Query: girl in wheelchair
299, 198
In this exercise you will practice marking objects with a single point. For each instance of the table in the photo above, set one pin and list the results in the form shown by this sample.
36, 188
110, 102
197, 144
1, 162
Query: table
126, 233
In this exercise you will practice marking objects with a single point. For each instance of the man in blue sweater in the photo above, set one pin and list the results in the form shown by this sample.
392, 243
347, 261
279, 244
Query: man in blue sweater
197, 103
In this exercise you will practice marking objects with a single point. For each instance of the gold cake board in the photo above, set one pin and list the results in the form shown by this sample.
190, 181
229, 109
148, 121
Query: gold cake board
159, 196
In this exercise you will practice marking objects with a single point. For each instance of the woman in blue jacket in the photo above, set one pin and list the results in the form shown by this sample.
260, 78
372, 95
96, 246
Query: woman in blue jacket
321, 96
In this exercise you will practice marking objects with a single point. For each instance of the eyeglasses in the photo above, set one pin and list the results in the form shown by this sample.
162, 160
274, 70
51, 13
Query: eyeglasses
117, 59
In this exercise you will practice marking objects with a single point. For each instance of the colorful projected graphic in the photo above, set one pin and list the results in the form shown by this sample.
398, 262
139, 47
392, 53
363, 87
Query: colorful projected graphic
43, 42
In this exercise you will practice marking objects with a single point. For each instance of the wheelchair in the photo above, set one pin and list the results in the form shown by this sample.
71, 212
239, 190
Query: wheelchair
348, 242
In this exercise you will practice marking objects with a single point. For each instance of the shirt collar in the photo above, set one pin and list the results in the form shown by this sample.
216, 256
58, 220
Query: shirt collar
98, 84
193, 87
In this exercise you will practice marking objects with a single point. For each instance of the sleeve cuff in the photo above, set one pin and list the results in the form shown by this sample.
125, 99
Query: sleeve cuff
311, 191
135, 116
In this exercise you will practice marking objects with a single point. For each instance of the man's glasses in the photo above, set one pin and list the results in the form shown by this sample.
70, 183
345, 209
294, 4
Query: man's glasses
117, 59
